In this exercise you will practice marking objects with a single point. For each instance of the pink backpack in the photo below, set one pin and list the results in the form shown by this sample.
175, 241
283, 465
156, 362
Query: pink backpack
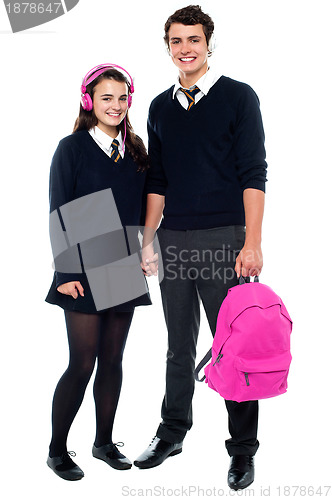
251, 347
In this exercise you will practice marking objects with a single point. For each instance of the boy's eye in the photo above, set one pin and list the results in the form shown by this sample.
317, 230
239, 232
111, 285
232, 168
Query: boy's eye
174, 42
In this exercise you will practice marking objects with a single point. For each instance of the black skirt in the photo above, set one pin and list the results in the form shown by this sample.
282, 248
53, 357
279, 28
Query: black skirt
86, 304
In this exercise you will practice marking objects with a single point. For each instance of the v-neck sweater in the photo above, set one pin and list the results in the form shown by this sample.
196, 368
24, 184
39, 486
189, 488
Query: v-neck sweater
80, 167
203, 159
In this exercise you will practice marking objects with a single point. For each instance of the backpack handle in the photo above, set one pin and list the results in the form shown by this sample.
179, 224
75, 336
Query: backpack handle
243, 280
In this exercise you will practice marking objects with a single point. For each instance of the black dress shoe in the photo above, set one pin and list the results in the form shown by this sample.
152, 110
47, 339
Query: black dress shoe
241, 472
111, 455
64, 467
156, 453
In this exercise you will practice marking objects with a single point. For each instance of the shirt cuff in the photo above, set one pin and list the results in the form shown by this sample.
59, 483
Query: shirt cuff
254, 184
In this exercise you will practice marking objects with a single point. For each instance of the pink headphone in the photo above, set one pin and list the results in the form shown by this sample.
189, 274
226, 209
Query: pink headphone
86, 100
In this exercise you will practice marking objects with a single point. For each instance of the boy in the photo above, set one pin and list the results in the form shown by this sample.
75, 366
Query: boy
207, 179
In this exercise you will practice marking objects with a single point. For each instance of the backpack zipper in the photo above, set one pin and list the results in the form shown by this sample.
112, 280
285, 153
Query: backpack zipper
247, 378
219, 354
218, 358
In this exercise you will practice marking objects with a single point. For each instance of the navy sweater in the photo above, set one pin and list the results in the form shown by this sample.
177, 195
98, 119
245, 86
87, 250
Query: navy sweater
80, 167
203, 159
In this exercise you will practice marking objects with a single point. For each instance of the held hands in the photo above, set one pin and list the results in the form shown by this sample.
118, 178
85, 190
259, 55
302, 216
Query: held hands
149, 262
71, 288
249, 261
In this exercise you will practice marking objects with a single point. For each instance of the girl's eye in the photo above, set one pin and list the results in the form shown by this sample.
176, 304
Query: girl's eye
123, 99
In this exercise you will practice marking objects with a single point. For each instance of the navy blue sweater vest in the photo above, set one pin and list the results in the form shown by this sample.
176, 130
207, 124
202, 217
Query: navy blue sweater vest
203, 159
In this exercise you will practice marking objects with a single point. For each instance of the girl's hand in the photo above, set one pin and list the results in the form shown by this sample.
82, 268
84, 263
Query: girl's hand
71, 288
150, 267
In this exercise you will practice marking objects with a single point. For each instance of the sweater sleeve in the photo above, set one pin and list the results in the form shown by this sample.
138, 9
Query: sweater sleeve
63, 173
249, 142
156, 179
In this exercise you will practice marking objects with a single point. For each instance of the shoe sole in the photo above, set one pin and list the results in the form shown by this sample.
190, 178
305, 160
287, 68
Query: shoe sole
142, 466
114, 466
240, 487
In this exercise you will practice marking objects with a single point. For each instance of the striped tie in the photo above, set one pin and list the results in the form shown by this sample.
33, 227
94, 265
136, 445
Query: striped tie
115, 155
190, 94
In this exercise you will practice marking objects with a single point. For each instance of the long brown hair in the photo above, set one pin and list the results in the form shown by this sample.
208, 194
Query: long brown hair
87, 120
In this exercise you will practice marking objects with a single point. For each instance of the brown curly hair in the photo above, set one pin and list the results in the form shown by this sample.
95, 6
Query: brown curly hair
189, 16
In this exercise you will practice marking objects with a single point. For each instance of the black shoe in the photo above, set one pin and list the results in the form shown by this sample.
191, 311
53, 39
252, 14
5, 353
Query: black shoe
241, 472
156, 453
111, 455
64, 467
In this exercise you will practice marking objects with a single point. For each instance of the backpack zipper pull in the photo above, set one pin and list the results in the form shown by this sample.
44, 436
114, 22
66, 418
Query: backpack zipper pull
247, 378
218, 358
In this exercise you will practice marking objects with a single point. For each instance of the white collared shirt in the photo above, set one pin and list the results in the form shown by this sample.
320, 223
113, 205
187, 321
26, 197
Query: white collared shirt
204, 84
104, 141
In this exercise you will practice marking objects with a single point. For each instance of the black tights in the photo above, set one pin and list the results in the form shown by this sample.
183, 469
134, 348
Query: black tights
90, 337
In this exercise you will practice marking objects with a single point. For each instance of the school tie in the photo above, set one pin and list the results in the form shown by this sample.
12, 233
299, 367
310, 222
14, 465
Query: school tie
190, 94
115, 155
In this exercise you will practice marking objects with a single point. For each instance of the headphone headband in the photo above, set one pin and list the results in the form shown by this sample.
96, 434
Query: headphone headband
99, 70
86, 100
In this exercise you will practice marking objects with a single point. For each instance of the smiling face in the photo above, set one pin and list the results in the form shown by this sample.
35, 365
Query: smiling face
110, 104
189, 51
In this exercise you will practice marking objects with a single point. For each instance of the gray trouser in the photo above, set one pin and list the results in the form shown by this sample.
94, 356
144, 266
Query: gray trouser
198, 264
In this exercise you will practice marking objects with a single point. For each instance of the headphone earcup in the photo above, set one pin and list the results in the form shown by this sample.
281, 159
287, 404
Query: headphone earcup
130, 100
212, 44
86, 102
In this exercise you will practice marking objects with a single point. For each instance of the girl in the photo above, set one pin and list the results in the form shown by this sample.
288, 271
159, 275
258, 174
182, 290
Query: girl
104, 159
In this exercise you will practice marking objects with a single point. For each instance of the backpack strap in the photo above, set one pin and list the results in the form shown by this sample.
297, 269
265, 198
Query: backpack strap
200, 365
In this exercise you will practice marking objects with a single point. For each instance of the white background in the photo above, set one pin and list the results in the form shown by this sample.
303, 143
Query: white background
282, 49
